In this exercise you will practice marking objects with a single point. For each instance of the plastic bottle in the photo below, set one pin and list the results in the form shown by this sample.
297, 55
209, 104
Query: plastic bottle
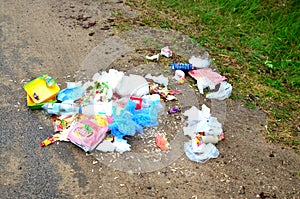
67, 107
181, 66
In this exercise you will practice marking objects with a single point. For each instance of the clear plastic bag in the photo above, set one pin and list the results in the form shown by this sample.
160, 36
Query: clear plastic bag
73, 92
223, 92
203, 83
202, 153
200, 62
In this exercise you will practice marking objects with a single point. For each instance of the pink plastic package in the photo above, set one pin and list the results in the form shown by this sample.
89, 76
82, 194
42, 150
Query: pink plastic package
206, 77
86, 134
209, 73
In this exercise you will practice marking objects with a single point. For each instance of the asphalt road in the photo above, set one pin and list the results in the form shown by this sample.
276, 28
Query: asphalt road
33, 42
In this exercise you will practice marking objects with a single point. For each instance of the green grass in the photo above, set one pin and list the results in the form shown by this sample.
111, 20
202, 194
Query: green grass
254, 43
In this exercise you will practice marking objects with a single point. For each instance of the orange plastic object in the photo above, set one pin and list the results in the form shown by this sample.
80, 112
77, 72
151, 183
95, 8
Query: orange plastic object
39, 92
32, 105
161, 142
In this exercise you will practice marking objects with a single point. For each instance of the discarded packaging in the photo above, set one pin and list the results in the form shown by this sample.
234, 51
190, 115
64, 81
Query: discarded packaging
39, 90
204, 82
130, 120
161, 142
201, 147
181, 66
209, 139
206, 78
198, 121
223, 92
138, 101
138, 86
153, 57
179, 76
198, 138
86, 133
175, 109
158, 79
67, 107
202, 153
33, 106
50, 82
117, 144
209, 73
124, 105
72, 92
111, 78
121, 145
165, 51
199, 62
63, 122
106, 146
47, 142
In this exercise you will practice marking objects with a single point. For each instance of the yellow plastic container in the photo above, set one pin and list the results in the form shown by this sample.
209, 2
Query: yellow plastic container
39, 92
32, 105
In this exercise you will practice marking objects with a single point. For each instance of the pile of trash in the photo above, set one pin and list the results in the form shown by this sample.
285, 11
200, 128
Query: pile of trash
99, 114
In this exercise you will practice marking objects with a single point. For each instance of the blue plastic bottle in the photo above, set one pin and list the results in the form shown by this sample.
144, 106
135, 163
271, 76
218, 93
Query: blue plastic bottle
181, 66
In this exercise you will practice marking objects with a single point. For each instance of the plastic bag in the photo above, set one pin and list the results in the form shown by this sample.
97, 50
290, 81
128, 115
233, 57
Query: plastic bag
144, 117
132, 120
223, 92
199, 62
119, 145
112, 78
73, 91
158, 79
133, 85
215, 127
124, 125
198, 121
179, 76
201, 153
204, 82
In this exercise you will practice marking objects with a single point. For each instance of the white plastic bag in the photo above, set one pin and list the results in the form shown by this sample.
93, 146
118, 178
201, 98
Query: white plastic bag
204, 82
202, 154
133, 85
223, 92
199, 62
